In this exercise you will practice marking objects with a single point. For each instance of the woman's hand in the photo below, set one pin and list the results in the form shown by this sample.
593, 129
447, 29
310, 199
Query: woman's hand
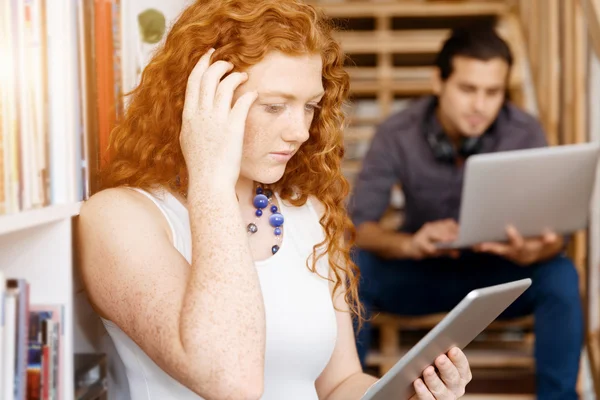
212, 131
449, 382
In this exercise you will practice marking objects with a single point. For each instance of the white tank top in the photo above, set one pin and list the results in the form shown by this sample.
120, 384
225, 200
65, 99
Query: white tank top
301, 325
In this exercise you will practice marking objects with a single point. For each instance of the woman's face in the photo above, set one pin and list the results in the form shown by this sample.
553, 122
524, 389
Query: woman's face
289, 90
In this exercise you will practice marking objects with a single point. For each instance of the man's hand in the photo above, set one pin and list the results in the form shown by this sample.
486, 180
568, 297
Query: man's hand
423, 242
522, 251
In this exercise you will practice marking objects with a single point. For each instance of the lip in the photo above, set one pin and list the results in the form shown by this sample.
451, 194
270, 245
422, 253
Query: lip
475, 120
281, 156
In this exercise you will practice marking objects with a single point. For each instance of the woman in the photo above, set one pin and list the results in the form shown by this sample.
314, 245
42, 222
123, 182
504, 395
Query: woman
215, 255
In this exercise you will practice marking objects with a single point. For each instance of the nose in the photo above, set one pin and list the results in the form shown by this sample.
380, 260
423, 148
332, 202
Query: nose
479, 102
298, 129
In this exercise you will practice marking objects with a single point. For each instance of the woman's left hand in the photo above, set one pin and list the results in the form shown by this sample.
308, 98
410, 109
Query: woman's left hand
449, 382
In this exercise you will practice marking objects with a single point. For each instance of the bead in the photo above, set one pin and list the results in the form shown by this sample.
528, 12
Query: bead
259, 190
258, 213
261, 201
269, 194
276, 220
277, 231
273, 209
252, 228
274, 249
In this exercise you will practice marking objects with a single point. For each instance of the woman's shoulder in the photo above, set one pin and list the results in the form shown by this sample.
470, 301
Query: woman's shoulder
115, 207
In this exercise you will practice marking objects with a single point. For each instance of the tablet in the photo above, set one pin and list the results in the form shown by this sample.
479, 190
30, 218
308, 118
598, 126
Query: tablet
458, 328
548, 188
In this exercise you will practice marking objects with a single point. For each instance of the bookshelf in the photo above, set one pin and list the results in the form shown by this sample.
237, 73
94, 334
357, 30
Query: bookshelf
44, 177
37, 218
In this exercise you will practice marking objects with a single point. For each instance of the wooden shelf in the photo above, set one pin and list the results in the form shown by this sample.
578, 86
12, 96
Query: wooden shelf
28, 219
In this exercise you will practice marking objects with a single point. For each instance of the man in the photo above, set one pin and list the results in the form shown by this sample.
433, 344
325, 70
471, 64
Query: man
423, 148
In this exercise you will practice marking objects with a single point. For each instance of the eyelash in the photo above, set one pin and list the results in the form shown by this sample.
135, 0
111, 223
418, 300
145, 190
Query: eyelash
275, 108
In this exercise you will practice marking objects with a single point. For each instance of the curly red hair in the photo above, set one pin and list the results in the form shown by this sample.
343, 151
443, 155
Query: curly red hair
144, 147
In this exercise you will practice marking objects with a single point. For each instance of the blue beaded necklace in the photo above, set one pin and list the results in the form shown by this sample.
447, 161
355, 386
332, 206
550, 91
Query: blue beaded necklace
262, 199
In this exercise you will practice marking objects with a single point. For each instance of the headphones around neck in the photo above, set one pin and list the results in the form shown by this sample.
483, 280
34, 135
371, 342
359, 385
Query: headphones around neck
443, 149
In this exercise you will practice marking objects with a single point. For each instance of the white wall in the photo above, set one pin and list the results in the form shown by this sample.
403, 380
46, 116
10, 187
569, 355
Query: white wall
136, 54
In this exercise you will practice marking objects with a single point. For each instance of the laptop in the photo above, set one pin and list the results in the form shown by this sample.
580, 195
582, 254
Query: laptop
535, 190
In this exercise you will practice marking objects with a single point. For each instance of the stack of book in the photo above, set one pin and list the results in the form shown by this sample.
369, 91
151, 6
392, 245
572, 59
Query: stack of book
31, 340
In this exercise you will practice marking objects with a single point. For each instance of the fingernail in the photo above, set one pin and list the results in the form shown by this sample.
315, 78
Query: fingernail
442, 360
419, 384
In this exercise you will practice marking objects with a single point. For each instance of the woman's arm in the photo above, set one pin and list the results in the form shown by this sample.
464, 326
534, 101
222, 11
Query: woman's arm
192, 320
343, 378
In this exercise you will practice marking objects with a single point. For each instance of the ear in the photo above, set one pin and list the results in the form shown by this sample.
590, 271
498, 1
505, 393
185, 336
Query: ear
436, 82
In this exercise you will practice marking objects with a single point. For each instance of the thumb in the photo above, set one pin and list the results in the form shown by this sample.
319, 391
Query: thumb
239, 112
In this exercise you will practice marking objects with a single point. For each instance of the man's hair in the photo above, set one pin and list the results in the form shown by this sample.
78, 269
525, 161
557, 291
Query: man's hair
480, 43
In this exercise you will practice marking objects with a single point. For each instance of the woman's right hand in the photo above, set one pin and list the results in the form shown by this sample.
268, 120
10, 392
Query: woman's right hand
212, 131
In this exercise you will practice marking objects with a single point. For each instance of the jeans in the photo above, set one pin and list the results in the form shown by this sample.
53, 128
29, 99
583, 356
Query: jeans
407, 287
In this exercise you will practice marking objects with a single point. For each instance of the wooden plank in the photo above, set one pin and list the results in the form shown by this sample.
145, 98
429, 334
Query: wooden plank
477, 358
396, 73
410, 88
469, 396
553, 64
426, 41
359, 132
568, 71
429, 321
591, 12
412, 8
579, 46
593, 348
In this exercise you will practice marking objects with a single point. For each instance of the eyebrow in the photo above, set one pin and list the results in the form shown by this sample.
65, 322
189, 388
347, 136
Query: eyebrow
287, 95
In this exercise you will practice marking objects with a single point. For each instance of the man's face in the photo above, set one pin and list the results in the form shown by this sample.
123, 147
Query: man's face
471, 98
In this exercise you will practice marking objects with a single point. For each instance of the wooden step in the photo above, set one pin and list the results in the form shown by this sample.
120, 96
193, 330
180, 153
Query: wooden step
497, 396
478, 358
429, 321
392, 42
359, 74
404, 81
412, 8
359, 133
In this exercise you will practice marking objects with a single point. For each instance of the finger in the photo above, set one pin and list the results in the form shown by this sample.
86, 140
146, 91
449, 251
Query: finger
210, 80
440, 234
448, 373
225, 91
421, 390
427, 248
192, 91
453, 226
550, 237
239, 112
461, 363
495, 248
435, 385
514, 237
